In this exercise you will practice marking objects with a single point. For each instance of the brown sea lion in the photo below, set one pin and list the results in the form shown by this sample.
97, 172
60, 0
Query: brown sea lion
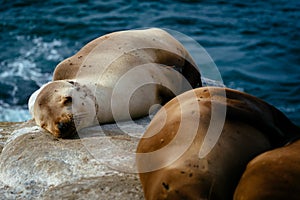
118, 76
272, 175
169, 158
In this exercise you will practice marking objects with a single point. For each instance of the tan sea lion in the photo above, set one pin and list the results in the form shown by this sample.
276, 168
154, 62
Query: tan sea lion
168, 159
118, 76
272, 175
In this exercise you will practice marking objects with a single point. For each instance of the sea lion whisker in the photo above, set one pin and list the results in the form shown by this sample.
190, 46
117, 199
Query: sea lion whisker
80, 116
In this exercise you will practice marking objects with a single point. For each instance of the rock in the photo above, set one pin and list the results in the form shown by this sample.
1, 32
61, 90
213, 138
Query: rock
6, 128
99, 165
111, 187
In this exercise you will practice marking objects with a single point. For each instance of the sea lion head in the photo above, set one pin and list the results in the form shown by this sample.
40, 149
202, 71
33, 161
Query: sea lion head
63, 107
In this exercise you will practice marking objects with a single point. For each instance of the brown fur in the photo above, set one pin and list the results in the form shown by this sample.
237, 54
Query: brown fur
68, 68
58, 112
248, 131
272, 175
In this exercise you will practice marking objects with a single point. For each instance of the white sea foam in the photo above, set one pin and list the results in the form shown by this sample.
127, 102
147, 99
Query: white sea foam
25, 67
47, 49
14, 114
233, 85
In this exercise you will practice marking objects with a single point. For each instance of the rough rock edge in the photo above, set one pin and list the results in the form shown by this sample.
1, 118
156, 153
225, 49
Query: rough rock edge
116, 185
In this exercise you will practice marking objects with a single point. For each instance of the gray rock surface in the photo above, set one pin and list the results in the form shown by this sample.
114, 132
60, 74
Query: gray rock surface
99, 165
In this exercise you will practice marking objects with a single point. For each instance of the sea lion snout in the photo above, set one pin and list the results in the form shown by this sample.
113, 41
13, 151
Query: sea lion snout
66, 129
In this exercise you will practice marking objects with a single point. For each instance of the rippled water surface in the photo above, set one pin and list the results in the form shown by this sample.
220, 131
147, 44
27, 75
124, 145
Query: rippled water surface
255, 45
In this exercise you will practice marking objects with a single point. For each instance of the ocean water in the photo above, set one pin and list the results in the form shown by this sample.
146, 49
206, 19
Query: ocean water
255, 44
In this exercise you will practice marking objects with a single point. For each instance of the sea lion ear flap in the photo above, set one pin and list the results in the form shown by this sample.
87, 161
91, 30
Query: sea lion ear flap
75, 85
67, 100
71, 82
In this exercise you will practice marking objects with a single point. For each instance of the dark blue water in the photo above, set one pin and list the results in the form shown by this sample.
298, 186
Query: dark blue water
255, 44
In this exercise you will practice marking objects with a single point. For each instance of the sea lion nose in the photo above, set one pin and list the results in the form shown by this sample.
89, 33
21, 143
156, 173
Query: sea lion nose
62, 127
66, 129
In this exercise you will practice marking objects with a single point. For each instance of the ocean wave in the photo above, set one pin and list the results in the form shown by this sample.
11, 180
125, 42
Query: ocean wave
25, 66
14, 114
254, 44
24, 72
